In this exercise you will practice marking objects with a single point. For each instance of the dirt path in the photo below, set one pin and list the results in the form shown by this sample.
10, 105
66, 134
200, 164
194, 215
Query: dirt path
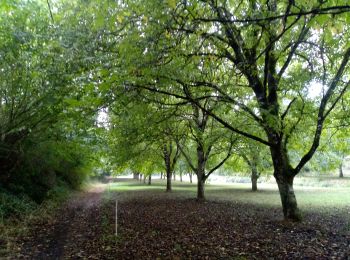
72, 234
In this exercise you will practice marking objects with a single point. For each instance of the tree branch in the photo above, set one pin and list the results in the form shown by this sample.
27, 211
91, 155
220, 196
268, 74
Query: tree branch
323, 113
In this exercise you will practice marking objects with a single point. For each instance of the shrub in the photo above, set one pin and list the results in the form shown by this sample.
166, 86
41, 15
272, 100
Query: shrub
15, 205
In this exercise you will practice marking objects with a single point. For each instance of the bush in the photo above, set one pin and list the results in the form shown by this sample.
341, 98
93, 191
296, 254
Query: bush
74, 177
45, 166
19, 206
16, 206
59, 192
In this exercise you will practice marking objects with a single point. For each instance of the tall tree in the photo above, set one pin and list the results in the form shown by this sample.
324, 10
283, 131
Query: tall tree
266, 57
42, 132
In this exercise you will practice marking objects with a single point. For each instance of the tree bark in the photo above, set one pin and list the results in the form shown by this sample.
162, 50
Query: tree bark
254, 178
168, 181
200, 172
170, 162
168, 169
149, 179
200, 189
252, 162
341, 174
284, 175
288, 199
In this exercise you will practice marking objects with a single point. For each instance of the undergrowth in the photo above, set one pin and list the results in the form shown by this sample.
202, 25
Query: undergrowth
19, 212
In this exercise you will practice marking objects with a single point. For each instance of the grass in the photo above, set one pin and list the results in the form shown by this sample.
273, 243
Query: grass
323, 181
310, 198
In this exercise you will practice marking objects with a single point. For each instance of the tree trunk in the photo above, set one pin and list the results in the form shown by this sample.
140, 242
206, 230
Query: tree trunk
180, 176
254, 183
200, 189
288, 199
168, 181
144, 178
168, 169
161, 175
284, 175
190, 174
140, 177
136, 175
341, 174
174, 176
254, 177
200, 173
149, 179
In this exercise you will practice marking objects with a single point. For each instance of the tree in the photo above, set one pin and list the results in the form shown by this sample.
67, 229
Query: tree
254, 155
207, 141
37, 79
142, 137
170, 155
266, 56
136, 175
45, 142
182, 167
28, 88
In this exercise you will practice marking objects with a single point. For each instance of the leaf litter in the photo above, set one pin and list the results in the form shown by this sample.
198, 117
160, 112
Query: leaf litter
165, 227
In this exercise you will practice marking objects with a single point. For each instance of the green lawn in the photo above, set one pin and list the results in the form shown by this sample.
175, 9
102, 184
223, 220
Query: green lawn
309, 197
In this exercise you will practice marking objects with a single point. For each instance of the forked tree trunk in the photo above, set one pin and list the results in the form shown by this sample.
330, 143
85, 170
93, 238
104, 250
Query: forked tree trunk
190, 174
149, 179
341, 174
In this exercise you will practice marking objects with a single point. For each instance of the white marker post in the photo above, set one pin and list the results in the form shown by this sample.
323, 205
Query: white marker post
116, 218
